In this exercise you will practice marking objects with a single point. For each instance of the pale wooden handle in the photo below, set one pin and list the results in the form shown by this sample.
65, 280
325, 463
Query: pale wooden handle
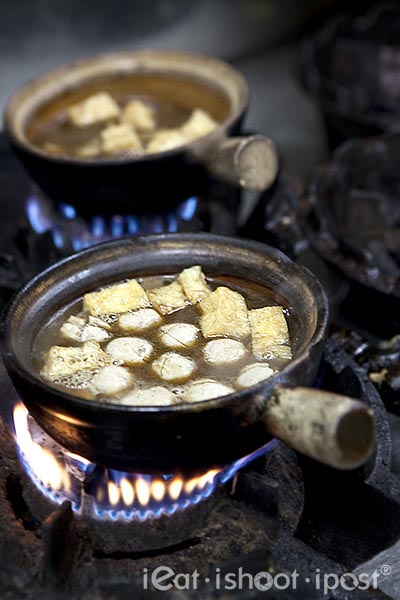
335, 430
250, 162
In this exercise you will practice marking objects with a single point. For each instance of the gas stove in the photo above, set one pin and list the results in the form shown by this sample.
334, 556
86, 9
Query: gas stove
72, 529
64, 531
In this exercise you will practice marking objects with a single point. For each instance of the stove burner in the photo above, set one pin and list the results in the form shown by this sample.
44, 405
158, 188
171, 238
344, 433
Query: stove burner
71, 231
106, 493
280, 513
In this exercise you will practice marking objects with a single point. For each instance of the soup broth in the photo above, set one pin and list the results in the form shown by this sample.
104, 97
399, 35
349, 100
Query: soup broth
169, 102
184, 354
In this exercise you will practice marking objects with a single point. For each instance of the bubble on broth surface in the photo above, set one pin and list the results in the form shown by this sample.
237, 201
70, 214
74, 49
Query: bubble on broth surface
78, 381
110, 319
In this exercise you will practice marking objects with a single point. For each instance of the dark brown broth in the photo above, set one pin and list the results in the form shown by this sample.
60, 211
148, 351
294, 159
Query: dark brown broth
172, 99
256, 296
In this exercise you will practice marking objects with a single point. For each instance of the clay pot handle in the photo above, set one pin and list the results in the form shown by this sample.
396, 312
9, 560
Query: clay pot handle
335, 430
250, 162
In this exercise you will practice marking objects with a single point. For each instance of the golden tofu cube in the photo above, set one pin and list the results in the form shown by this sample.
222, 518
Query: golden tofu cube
224, 313
89, 150
194, 284
270, 333
116, 299
199, 123
53, 148
64, 361
139, 115
117, 139
94, 109
269, 322
165, 139
281, 351
168, 298
264, 350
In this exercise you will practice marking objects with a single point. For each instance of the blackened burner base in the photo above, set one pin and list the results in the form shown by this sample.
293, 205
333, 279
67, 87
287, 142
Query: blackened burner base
119, 537
71, 552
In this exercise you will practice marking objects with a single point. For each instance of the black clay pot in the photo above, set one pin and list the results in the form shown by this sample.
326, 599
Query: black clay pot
185, 436
152, 181
351, 68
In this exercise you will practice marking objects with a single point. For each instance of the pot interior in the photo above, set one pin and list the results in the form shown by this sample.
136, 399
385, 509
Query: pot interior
62, 284
187, 80
184, 94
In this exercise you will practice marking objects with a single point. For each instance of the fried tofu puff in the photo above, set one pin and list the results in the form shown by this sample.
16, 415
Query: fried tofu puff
119, 139
116, 299
168, 298
165, 139
270, 333
224, 313
94, 109
194, 284
200, 123
139, 115
65, 361
91, 149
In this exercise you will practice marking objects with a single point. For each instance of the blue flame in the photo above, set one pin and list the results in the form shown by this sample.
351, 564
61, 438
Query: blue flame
98, 226
67, 211
77, 244
133, 225
168, 506
80, 234
172, 223
58, 238
37, 217
116, 226
187, 209
157, 224
229, 472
